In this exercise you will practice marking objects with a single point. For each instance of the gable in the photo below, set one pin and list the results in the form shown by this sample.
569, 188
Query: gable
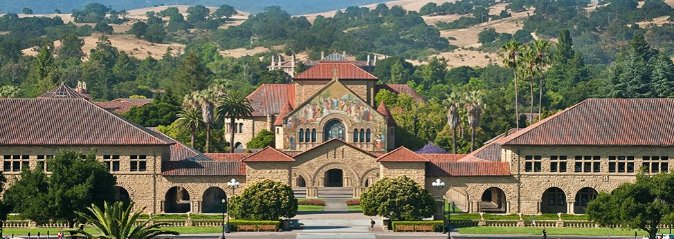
329, 70
333, 149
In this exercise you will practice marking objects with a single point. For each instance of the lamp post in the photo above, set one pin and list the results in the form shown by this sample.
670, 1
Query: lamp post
445, 225
224, 224
233, 184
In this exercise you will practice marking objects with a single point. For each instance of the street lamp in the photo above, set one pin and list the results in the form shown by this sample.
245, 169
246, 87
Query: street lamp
447, 226
233, 184
224, 224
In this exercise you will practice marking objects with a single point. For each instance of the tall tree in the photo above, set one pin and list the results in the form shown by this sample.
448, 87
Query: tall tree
510, 53
71, 48
474, 107
453, 119
190, 118
528, 71
234, 105
43, 73
225, 11
662, 76
28, 196
205, 101
542, 60
191, 75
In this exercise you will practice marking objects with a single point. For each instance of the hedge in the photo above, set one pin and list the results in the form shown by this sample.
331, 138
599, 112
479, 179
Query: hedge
437, 225
316, 202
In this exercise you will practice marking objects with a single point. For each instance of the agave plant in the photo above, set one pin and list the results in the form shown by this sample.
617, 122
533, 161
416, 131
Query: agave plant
118, 221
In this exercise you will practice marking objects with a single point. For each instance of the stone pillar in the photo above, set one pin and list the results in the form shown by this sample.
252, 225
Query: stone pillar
347, 181
520, 222
312, 192
321, 181
161, 206
357, 191
538, 207
507, 207
569, 208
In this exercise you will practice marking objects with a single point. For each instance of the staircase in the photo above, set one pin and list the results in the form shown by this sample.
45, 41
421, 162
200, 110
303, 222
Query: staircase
335, 192
300, 192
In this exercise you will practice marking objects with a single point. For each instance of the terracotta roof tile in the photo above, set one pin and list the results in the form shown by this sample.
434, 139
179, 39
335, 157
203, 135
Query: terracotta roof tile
438, 168
268, 99
202, 168
122, 105
68, 121
614, 122
231, 157
402, 155
269, 154
400, 89
443, 157
325, 70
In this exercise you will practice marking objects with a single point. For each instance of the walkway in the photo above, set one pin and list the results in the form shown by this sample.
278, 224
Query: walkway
336, 223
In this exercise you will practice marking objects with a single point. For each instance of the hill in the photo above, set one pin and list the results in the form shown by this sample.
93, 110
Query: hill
292, 6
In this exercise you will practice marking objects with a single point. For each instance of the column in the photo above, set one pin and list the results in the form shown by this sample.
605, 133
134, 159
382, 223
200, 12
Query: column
161, 206
312, 192
569, 208
357, 191
538, 207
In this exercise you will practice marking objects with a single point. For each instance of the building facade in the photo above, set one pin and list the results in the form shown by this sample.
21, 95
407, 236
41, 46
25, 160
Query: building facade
333, 140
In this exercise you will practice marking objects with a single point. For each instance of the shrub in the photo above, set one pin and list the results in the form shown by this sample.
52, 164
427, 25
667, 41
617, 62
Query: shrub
399, 198
353, 202
233, 224
316, 202
264, 200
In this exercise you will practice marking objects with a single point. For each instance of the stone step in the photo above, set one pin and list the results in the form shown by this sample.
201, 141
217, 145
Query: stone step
329, 192
300, 192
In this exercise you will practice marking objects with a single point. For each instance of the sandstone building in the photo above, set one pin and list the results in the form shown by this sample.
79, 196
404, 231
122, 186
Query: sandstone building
332, 139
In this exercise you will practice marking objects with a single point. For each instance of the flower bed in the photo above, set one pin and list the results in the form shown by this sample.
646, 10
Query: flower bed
353, 202
417, 226
246, 225
315, 202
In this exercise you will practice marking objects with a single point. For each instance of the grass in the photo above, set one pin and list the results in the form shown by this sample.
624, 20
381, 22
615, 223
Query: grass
476, 216
550, 231
310, 208
354, 208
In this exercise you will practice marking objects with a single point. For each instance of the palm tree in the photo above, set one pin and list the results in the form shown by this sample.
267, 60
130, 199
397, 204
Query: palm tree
542, 49
234, 105
202, 100
190, 118
474, 107
528, 70
510, 52
117, 221
453, 118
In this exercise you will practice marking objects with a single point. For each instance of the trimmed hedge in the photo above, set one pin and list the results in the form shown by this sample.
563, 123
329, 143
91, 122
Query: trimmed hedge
234, 224
353, 202
437, 225
315, 202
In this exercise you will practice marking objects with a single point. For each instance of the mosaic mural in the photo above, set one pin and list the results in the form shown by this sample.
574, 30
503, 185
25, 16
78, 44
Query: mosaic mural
336, 99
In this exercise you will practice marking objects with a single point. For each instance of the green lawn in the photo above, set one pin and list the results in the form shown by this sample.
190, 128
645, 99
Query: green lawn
354, 208
310, 208
550, 231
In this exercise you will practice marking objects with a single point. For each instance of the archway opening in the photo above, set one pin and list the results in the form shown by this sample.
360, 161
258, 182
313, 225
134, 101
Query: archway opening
177, 200
493, 200
212, 200
334, 129
334, 178
121, 195
554, 201
583, 197
300, 182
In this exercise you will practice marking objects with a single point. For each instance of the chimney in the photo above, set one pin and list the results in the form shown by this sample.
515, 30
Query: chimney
322, 55
374, 63
280, 61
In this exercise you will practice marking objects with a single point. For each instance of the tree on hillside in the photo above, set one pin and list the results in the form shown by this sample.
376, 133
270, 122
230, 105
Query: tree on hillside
639, 205
27, 11
71, 47
161, 111
103, 27
398, 198
264, 200
155, 33
196, 14
92, 13
234, 105
225, 11
43, 74
138, 29
474, 107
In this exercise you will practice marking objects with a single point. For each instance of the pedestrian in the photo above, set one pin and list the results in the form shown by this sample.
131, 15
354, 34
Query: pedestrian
545, 234
59, 235
372, 224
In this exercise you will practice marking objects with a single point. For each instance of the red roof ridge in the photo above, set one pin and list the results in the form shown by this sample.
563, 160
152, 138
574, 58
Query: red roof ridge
265, 155
317, 71
401, 154
137, 126
287, 108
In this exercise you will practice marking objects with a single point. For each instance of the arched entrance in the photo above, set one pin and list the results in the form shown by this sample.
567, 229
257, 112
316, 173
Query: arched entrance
334, 129
583, 197
212, 200
493, 200
177, 200
334, 178
300, 182
121, 194
554, 201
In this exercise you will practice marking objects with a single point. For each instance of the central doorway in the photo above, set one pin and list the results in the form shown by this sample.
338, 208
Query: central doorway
334, 178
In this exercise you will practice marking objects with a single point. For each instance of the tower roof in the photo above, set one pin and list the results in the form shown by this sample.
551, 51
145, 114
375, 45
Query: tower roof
343, 70
383, 110
284, 111
63, 91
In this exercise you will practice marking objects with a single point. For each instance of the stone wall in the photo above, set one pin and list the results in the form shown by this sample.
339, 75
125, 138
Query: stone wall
277, 171
413, 170
196, 186
251, 127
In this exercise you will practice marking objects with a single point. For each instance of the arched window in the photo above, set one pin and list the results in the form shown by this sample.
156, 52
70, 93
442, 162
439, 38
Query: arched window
307, 135
362, 135
368, 136
334, 129
313, 135
355, 135
240, 127
301, 136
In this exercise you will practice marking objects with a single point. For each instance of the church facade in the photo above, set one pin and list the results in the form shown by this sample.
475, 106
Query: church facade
332, 140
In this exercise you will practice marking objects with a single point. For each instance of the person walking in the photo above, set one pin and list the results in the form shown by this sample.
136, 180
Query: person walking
59, 235
372, 224
545, 234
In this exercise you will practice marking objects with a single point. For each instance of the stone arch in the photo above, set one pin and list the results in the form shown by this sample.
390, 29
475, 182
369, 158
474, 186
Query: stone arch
296, 174
238, 145
177, 200
348, 171
212, 200
583, 197
345, 120
334, 129
493, 200
121, 194
369, 174
553, 200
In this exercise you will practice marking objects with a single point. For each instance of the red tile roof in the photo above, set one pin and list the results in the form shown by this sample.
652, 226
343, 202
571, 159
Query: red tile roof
604, 122
443, 157
202, 168
63, 91
325, 70
268, 154
122, 105
227, 157
268, 99
68, 121
402, 155
284, 111
400, 89
438, 168
383, 110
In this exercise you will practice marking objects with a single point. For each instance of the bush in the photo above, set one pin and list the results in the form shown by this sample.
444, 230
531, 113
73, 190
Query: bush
316, 202
353, 202
234, 224
263, 139
399, 198
437, 225
264, 200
